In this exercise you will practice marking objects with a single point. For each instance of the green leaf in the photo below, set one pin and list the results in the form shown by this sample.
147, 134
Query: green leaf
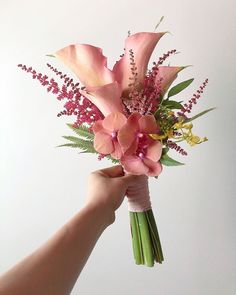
168, 161
172, 104
165, 151
179, 87
82, 131
114, 161
199, 115
85, 145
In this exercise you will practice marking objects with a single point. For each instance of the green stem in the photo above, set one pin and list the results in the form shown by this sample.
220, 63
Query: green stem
146, 239
155, 235
136, 239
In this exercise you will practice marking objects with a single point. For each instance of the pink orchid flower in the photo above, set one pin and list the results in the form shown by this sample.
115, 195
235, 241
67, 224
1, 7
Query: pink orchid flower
105, 87
106, 130
141, 153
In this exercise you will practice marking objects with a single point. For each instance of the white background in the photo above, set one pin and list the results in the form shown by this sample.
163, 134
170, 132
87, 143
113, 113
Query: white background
41, 186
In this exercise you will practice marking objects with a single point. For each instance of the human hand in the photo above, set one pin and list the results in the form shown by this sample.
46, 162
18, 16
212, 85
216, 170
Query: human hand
107, 189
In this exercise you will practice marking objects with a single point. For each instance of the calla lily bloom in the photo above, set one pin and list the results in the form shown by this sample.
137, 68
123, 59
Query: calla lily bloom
105, 140
105, 87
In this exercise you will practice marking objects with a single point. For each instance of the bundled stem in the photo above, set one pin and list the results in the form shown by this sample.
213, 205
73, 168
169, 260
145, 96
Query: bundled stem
145, 238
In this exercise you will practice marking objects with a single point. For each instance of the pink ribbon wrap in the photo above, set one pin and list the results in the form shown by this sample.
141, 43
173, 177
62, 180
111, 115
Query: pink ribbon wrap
138, 195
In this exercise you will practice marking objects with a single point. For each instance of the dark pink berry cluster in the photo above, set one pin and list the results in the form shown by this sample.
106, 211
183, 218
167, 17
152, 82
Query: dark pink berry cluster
77, 104
193, 100
164, 57
175, 146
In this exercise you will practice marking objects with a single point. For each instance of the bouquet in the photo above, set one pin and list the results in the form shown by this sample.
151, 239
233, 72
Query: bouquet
129, 116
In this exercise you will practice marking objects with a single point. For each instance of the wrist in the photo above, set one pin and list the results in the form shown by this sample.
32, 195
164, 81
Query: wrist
103, 214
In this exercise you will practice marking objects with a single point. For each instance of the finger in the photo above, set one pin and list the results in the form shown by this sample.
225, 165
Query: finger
115, 171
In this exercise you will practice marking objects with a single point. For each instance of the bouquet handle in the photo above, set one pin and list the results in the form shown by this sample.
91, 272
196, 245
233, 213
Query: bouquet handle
145, 237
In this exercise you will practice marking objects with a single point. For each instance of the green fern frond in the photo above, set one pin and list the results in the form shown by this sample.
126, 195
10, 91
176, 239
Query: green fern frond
82, 131
114, 161
85, 145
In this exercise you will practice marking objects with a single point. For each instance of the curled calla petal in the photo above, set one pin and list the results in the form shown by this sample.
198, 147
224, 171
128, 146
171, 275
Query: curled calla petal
142, 46
147, 124
167, 75
103, 143
114, 121
106, 98
88, 63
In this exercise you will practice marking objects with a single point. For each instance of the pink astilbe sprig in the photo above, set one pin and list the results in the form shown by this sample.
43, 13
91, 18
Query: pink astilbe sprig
173, 145
143, 98
193, 100
77, 105
164, 57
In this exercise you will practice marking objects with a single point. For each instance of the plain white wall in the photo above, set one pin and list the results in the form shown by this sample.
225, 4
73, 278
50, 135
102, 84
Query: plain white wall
41, 187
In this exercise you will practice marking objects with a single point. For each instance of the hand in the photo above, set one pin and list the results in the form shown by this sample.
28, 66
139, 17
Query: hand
107, 189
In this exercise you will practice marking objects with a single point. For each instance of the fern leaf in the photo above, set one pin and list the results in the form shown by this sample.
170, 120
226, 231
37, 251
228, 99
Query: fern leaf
82, 131
84, 145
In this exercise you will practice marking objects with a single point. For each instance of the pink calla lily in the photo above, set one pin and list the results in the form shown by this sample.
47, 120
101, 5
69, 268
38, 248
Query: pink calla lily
167, 74
142, 46
100, 96
105, 87
88, 63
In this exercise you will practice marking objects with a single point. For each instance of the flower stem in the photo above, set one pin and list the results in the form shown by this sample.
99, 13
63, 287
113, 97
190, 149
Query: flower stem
145, 238
136, 239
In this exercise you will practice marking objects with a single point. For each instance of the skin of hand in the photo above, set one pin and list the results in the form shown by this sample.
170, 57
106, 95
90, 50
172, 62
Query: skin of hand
107, 189
54, 267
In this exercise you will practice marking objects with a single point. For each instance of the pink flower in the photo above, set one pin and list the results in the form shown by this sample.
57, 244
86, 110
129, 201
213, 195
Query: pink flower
105, 87
106, 130
136, 131
144, 161
140, 152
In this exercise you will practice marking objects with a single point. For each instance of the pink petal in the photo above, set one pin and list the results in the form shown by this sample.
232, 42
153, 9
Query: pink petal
107, 98
142, 45
103, 143
168, 75
127, 134
154, 168
154, 151
132, 148
114, 121
117, 154
97, 126
134, 165
147, 124
88, 63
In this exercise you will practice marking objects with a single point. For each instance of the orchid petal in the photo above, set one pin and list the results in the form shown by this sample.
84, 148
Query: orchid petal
97, 126
88, 63
134, 165
147, 124
127, 134
142, 46
103, 143
106, 98
117, 154
114, 121
154, 168
167, 75
154, 151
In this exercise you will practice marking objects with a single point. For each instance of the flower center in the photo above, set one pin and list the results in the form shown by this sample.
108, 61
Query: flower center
114, 135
